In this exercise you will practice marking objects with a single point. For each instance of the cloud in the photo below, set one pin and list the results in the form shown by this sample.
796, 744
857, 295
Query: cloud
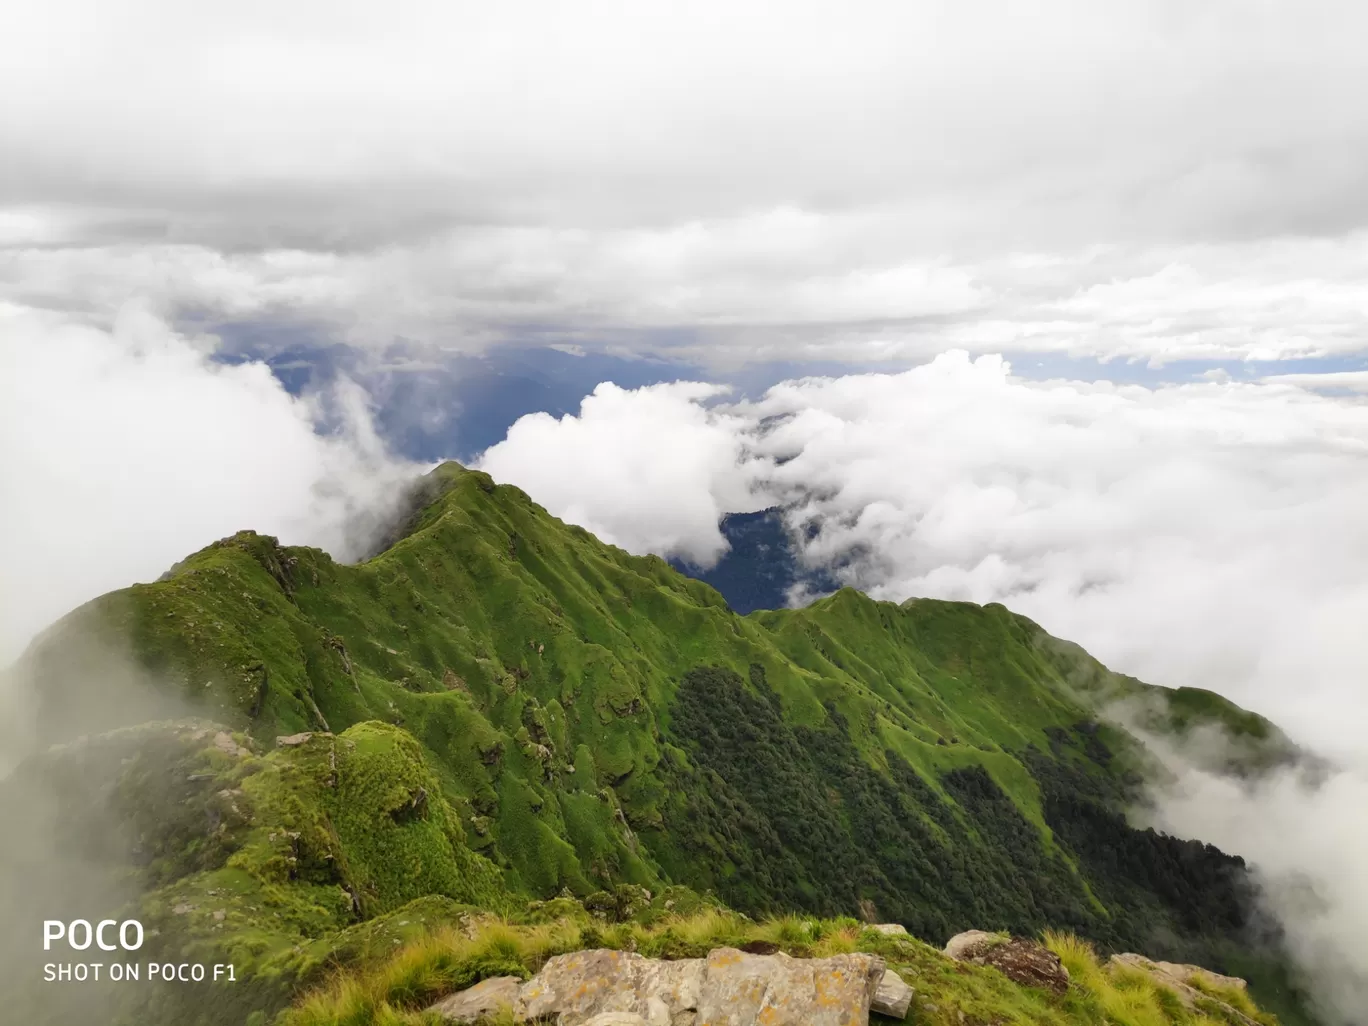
742, 181
777, 286
1208, 534
1200, 535
1152, 116
1354, 381
1304, 841
125, 449
661, 487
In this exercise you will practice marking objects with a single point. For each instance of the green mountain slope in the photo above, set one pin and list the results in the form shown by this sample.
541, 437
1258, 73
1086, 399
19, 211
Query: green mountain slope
515, 710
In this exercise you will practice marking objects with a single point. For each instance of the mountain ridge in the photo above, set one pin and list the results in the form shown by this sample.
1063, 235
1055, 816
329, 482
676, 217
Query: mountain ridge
587, 718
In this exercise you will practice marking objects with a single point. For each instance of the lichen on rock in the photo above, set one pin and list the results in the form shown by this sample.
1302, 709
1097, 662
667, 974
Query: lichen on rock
727, 988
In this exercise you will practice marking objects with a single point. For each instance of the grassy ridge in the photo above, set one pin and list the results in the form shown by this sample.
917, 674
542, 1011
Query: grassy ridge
529, 712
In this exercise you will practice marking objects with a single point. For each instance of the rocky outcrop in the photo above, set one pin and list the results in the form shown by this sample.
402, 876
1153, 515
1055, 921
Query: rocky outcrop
890, 929
963, 946
1021, 961
893, 996
728, 988
1195, 987
776, 990
483, 1000
1186, 975
574, 988
224, 742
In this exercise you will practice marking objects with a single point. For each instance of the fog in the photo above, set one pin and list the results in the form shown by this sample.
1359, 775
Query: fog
123, 450
70, 848
1303, 830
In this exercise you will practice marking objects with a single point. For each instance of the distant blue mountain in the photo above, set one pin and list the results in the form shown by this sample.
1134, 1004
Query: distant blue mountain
761, 567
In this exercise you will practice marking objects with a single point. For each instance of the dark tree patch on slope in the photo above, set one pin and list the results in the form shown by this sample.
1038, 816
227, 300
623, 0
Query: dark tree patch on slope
778, 817
806, 823
1170, 896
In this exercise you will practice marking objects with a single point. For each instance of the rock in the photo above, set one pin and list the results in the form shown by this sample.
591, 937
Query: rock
741, 989
225, 743
729, 988
290, 740
480, 1001
893, 997
1180, 979
1021, 961
576, 987
890, 929
970, 939
1182, 973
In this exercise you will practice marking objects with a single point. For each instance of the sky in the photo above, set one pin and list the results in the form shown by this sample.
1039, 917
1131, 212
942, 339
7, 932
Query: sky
727, 182
1063, 305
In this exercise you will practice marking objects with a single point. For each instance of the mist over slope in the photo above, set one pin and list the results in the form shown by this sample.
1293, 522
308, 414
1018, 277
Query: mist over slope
573, 718
124, 446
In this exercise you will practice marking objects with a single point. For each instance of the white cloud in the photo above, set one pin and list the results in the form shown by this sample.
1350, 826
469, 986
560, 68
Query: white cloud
837, 181
732, 292
1123, 113
125, 450
659, 486
1207, 535
1354, 381
1304, 840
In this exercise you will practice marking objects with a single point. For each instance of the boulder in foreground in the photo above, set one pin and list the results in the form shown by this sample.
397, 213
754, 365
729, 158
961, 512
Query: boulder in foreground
776, 990
485, 999
1191, 983
1021, 961
602, 987
574, 988
893, 996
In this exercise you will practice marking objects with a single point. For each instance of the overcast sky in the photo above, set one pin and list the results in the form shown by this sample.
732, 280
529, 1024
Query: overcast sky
857, 180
